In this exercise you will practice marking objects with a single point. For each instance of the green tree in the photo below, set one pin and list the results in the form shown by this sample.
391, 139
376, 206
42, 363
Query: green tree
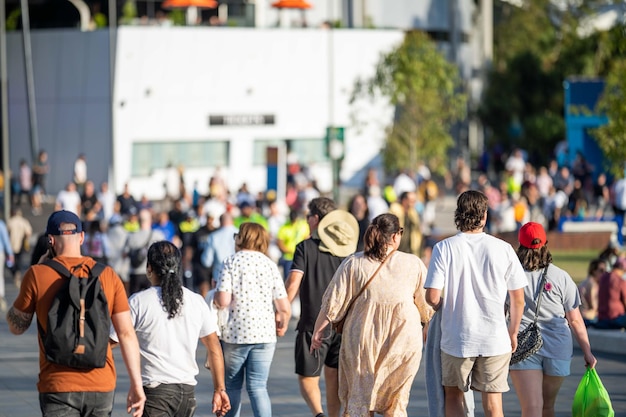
536, 47
424, 89
611, 137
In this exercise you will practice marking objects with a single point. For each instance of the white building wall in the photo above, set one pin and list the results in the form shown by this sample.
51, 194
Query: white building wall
169, 80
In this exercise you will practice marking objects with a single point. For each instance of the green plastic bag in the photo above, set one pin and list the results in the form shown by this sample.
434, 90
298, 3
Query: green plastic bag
591, 398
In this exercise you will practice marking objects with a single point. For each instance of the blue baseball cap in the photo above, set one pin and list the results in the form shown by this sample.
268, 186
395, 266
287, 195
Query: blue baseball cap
63, 216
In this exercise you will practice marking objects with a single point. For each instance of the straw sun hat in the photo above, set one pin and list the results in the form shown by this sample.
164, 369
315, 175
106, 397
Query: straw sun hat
339, 233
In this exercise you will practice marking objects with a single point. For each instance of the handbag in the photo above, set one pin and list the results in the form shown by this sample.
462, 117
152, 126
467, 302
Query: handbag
591, 398
337, 326
529, 340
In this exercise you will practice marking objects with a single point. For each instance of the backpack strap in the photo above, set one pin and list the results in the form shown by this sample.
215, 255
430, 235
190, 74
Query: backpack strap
95, 272
58, 267
77, 293
61, 270
97, 269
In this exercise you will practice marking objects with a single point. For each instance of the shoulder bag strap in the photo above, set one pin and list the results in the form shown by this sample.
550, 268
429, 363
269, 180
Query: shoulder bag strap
368, 281
541, 284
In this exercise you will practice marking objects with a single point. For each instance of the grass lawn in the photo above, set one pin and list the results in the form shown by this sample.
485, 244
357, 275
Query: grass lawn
574, 262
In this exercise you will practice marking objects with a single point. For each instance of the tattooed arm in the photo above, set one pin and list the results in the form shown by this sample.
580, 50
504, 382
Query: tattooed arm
18, 321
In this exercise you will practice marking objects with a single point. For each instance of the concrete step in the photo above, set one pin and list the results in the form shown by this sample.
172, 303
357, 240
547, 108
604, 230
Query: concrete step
607, 341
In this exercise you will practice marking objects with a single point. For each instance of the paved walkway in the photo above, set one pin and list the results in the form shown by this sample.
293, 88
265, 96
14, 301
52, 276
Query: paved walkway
19, 368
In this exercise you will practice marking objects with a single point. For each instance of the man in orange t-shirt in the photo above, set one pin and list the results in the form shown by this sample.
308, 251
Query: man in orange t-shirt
63, 390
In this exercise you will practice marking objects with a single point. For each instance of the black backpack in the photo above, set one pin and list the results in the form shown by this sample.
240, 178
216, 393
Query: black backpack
78, 320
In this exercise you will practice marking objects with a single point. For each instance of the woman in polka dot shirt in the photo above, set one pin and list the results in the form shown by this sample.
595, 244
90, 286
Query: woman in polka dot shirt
252, 289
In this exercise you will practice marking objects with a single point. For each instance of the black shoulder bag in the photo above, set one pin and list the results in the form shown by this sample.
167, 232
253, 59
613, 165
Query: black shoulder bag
529, 340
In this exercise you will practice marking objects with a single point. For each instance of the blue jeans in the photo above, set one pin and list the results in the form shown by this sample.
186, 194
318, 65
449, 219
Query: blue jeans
254, 360
76, 404
170, 400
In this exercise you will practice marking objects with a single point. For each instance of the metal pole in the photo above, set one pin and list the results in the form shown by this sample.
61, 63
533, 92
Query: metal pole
112, 44
350, 13
331, 99
30, 80
5, 110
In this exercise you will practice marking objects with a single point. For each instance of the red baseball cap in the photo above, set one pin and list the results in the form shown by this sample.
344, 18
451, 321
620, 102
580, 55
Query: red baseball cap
532, 235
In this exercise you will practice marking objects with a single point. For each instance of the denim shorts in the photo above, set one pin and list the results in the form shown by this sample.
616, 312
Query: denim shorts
549, 366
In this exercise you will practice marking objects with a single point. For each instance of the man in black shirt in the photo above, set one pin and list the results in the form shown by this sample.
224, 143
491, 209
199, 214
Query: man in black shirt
312, 270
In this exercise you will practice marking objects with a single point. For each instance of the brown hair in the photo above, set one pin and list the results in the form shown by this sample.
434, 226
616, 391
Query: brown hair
471, 207
379, 234
321, 206
534, 259
252, 236
593, 265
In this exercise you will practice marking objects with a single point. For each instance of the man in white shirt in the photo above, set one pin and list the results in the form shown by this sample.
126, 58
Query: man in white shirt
477, 271
68, 199
80, 172
107, 199
516, 165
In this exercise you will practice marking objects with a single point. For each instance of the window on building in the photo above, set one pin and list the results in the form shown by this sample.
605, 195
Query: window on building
309, 151
150, 156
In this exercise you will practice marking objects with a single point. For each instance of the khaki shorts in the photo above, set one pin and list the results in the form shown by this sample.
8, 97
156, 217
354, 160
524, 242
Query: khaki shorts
482, 373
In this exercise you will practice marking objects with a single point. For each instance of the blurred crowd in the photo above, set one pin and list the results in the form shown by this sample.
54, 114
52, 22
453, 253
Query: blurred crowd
603, 292
202, 225
549, 195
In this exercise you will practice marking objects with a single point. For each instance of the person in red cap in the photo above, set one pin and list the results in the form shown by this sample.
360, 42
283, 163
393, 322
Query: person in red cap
537, 379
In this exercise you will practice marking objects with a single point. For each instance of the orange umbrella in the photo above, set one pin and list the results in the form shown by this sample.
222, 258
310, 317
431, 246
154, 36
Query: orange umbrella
183, 4
291, 4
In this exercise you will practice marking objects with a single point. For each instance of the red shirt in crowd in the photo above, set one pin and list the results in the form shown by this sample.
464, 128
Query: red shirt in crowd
612, 295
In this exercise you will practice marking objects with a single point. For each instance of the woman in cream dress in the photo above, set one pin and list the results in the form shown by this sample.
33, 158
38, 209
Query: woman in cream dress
382, 334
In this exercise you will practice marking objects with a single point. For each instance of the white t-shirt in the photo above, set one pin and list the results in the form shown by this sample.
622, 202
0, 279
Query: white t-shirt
516, 165
69, 200
476, 271
255, 282
168, 346
80, 171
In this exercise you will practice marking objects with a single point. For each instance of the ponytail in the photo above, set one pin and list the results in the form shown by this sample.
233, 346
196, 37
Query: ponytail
165, 260
379, 234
